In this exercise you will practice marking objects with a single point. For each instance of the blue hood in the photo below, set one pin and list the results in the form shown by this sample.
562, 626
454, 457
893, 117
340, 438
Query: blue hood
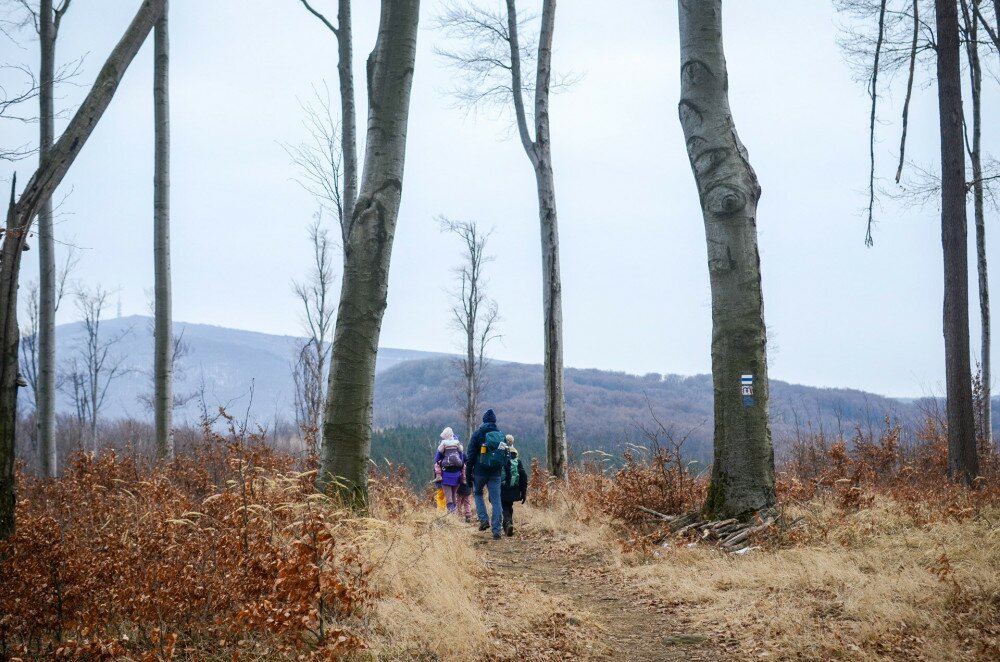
489, 417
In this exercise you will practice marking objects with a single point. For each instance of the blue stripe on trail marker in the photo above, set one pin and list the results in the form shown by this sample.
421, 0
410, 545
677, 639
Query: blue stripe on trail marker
747, 379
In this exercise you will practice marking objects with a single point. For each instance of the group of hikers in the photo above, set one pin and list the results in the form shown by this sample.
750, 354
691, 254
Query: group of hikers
492, 463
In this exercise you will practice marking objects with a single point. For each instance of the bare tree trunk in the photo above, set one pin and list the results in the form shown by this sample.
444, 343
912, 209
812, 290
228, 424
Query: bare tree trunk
163, 377
43, 182
8, 369
475, 314
963, 462
743, 467
555, 402
45, 399
978, 193
540, 154
348, 115
367, 252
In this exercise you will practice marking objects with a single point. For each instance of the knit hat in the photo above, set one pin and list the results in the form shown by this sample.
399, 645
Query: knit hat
489, 417
509, 439
447, 434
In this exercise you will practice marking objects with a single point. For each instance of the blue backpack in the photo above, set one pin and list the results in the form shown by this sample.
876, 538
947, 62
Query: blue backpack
493, 453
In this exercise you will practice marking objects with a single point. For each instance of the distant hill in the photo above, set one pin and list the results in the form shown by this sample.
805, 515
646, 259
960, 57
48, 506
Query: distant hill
228, 360
418, 389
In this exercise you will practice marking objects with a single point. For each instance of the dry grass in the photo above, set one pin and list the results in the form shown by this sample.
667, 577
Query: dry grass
442, 598
426, 573
873, 585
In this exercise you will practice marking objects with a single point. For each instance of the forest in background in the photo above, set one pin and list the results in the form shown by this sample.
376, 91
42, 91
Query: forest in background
607, 411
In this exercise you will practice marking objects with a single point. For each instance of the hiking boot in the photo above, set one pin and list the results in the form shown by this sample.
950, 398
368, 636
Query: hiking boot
483, 526
468, 520
496, 536
21, 381
509, 530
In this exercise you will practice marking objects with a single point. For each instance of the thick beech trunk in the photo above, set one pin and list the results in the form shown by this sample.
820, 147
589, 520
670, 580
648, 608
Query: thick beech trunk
963, 462
163, 342
743, 469
43, 182
367, 250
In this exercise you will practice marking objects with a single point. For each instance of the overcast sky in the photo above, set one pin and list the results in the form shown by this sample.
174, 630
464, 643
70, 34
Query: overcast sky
635, 279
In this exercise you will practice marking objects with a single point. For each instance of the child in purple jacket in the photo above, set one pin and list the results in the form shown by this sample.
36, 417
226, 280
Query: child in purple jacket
449, 463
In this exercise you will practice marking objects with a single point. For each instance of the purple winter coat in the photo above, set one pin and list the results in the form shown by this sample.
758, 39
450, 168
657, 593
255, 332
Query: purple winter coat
450, 477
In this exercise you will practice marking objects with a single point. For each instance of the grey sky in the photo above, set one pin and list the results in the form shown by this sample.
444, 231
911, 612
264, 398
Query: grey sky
635, 280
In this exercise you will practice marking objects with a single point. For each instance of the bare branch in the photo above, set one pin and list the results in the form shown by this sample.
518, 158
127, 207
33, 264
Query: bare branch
873, 91
319, 159
909, 87
320, 16
989, 30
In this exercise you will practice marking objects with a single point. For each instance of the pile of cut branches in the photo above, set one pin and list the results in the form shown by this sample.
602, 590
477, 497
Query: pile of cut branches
729, 535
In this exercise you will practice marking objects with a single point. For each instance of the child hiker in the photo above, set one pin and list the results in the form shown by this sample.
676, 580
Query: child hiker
465, 501
449, 464
513, 486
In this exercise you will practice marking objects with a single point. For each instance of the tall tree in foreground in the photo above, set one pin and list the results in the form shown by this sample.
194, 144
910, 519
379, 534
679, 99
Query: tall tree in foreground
494, 52
48, 21
163, 344
475, 314
963, 462
368, 235
20, 213
743, 466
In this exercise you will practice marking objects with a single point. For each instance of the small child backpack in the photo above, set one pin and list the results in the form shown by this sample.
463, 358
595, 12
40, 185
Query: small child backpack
515, 472
493, 452
451, 458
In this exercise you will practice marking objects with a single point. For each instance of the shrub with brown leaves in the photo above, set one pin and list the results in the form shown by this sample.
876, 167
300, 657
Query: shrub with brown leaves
222, 551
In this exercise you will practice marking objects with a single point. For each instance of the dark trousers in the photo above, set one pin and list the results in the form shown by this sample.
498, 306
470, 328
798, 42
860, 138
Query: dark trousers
508, 512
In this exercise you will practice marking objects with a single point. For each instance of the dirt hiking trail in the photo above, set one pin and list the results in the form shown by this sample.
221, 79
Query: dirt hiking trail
600, 615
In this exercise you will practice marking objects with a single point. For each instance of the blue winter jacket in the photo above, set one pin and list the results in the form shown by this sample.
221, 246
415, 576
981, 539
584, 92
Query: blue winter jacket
475, 448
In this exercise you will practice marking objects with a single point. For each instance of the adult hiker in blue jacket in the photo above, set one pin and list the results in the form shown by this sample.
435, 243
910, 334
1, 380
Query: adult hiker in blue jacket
484, 465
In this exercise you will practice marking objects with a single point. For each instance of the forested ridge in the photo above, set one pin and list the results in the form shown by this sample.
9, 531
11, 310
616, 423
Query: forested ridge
608, 410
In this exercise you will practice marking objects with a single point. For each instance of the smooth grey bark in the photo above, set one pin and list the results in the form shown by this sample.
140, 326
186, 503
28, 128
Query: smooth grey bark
45, 388
348, 114
539, 153
20, 214
49, 19
163, 343
978, 198
743, 468
963, 462
367, 251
